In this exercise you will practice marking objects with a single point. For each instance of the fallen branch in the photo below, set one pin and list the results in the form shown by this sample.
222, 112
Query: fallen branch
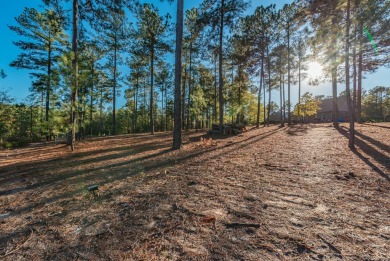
330, 245
238, 225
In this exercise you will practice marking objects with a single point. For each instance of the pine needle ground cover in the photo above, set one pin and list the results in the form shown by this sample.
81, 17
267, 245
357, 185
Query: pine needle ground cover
290, 193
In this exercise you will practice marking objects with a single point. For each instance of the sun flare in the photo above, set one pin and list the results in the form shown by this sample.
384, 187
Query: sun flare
314, 70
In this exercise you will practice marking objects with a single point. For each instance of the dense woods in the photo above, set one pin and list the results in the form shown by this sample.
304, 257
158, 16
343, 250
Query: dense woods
228, 63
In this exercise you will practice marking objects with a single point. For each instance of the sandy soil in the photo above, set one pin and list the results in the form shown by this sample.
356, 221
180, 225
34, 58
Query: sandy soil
269, 194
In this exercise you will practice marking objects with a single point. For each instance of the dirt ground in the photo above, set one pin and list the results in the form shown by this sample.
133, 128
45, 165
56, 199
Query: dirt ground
293, 193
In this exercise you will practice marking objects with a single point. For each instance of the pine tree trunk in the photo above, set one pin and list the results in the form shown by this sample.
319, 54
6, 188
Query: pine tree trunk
166, 109
151, 110
114, 94
136, 104
360, 75
41, 116
269, 86
284, 99
75, 71
289, 74
281, 95
177, 104
264, 102
215, 91
162, 109
351, 143
239, 95
354, 100
189, 92
221, 101
299, 88
31, 122
101, 111
183, 115
91, 96
144, 116
83, 114
334, 78
48, 88
259, 94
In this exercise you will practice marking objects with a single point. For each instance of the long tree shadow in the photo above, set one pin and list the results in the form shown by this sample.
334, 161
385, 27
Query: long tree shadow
369, 150
225, 136
121, 170
45, 147
376, 125
31, 150
18, 171
297, 130
153, 163
50, 180
75, 157
375, 142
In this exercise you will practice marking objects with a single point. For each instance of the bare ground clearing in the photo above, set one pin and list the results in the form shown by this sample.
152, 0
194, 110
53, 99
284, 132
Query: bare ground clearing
272, 193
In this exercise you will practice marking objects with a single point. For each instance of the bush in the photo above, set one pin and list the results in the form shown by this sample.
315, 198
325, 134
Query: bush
7, 145
13, 143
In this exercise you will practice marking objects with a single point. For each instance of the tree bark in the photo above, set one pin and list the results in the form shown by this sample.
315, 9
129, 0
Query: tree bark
114, 94
299, 87
351, 143
269, 86
259, 94
334, 78
215, 91
221, 101
48, 88
41, 115
354, 65
75, 71
91, 96
360, 75
239, 95
101, 110
281, 93
284, 99
183, 115
144, 116
289, 74
151, 91
31, 122
264, 102
135, 112
166, 108
162, 108
188, 125
178, 53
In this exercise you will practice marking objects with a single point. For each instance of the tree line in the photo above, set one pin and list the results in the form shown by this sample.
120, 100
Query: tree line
227, 64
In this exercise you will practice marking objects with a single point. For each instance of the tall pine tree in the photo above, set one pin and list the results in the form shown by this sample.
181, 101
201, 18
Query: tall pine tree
44, 40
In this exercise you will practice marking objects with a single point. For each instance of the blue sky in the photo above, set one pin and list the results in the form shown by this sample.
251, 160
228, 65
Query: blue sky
18, 81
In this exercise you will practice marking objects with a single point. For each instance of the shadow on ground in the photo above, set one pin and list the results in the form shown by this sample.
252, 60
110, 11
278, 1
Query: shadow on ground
84, 173
367, 145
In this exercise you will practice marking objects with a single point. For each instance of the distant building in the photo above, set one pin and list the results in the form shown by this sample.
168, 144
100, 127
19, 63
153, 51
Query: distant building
274, 117
325, 113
